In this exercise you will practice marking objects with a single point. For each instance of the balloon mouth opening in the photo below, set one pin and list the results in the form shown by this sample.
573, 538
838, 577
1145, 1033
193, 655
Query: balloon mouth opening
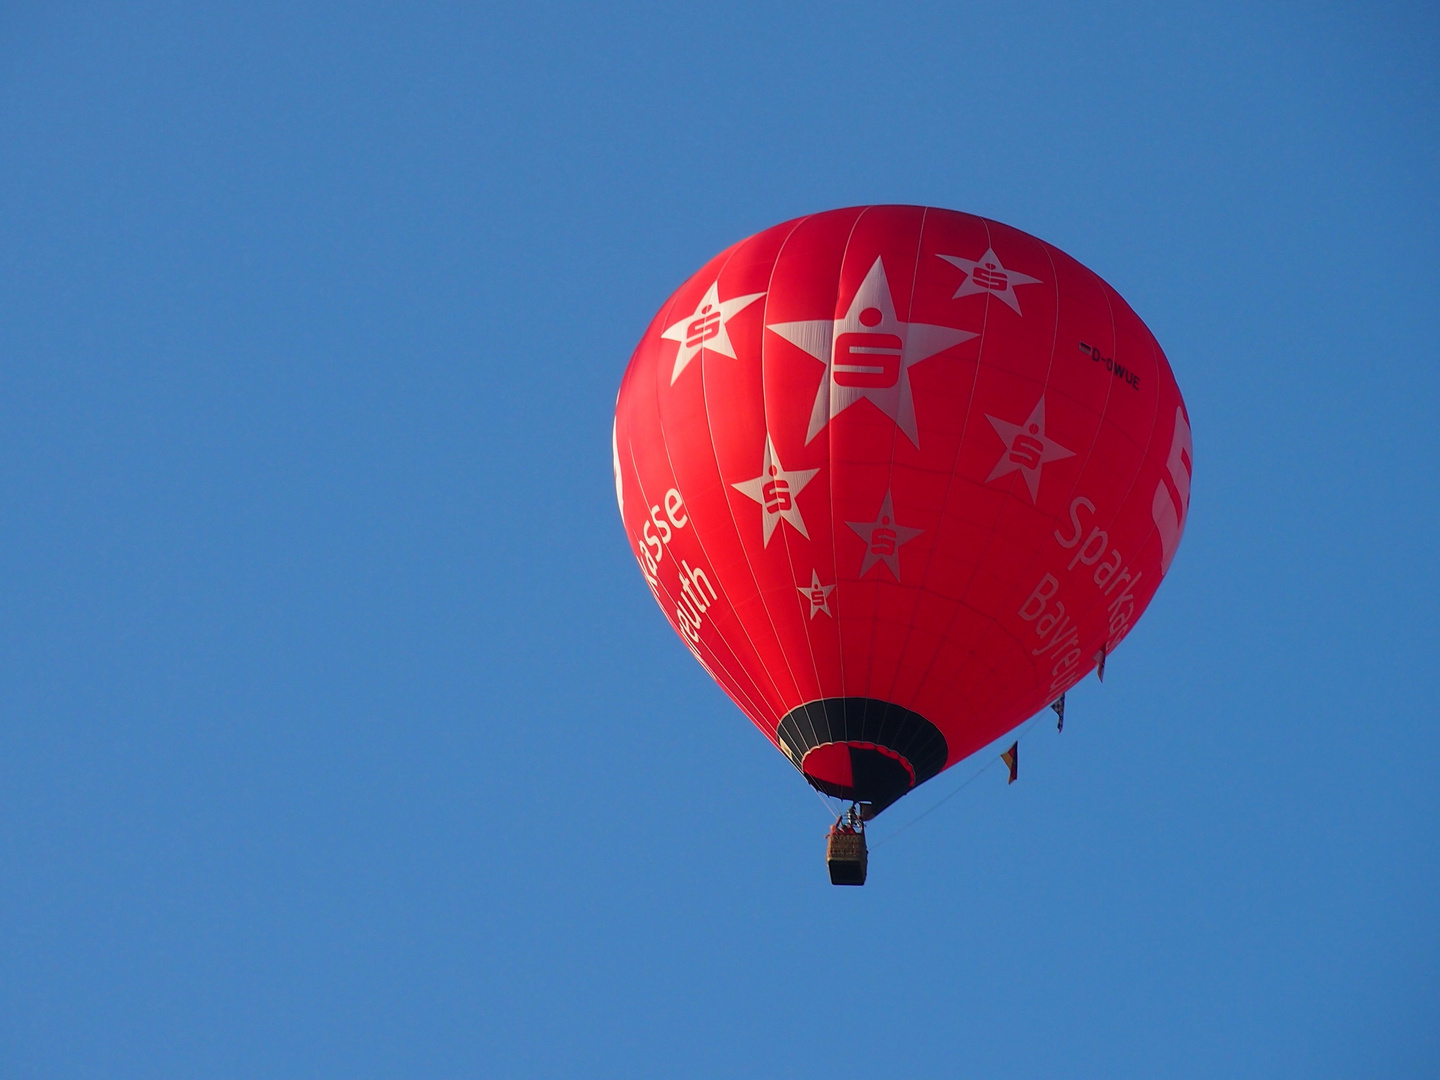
862, 749
860, 771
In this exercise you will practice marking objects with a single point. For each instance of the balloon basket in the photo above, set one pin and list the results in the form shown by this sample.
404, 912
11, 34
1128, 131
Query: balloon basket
847, 857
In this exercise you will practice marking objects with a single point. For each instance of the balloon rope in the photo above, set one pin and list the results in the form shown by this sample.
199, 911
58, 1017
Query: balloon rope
1025, 730
915, 820
830, 812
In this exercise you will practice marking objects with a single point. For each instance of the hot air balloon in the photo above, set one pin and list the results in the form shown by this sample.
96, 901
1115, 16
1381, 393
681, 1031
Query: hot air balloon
899, 477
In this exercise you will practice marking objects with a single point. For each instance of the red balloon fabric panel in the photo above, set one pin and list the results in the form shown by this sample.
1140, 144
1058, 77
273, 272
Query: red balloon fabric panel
897, 476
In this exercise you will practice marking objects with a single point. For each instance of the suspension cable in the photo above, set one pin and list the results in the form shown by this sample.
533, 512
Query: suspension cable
990, 762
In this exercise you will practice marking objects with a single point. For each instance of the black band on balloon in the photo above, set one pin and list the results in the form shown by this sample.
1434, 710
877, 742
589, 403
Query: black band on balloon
891, 749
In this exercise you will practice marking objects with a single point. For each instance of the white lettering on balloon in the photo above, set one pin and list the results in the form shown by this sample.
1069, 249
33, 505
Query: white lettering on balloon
695, 592
1057, 634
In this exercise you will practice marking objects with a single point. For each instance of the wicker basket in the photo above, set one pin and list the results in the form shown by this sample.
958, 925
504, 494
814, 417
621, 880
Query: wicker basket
847, 858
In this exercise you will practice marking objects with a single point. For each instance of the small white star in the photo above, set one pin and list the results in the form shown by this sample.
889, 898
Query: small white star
776, 491
883, 538
817, 594
868, 354
988, 275
704, 328
1026, 448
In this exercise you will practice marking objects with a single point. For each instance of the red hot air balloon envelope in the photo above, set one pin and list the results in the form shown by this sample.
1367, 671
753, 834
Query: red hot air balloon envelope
898, 477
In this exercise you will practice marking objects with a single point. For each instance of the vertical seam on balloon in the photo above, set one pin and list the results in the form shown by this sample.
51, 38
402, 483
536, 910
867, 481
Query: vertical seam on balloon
806, 626
984, 635
890, 480
954, 470
879, 577
665, 442
725, 496
725, 490
826, 381
715, 657
744, 675
735, 525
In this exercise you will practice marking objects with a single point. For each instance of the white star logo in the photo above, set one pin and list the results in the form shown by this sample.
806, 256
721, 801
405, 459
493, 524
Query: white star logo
817, 594
988, 275
704, 328
776, 490
883, 538
1026, 448
868, 354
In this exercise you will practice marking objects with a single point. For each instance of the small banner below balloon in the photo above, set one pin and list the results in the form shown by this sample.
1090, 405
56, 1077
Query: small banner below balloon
1011, 758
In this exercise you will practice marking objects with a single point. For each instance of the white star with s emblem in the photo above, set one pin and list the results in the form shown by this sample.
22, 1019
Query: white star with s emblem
817, 594
704, 328
988, 275
777, 490
1026, 448
868, 354
883, 538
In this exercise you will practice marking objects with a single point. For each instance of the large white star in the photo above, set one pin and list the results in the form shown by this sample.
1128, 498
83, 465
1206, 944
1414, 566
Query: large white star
868, 354
704, 328
817, 594
1026, 448
883, 538
988, 274
777, 490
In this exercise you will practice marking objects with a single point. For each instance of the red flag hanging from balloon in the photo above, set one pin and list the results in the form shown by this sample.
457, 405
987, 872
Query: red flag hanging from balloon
897, 476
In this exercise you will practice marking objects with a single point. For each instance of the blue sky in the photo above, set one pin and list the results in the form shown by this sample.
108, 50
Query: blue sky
339, 736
